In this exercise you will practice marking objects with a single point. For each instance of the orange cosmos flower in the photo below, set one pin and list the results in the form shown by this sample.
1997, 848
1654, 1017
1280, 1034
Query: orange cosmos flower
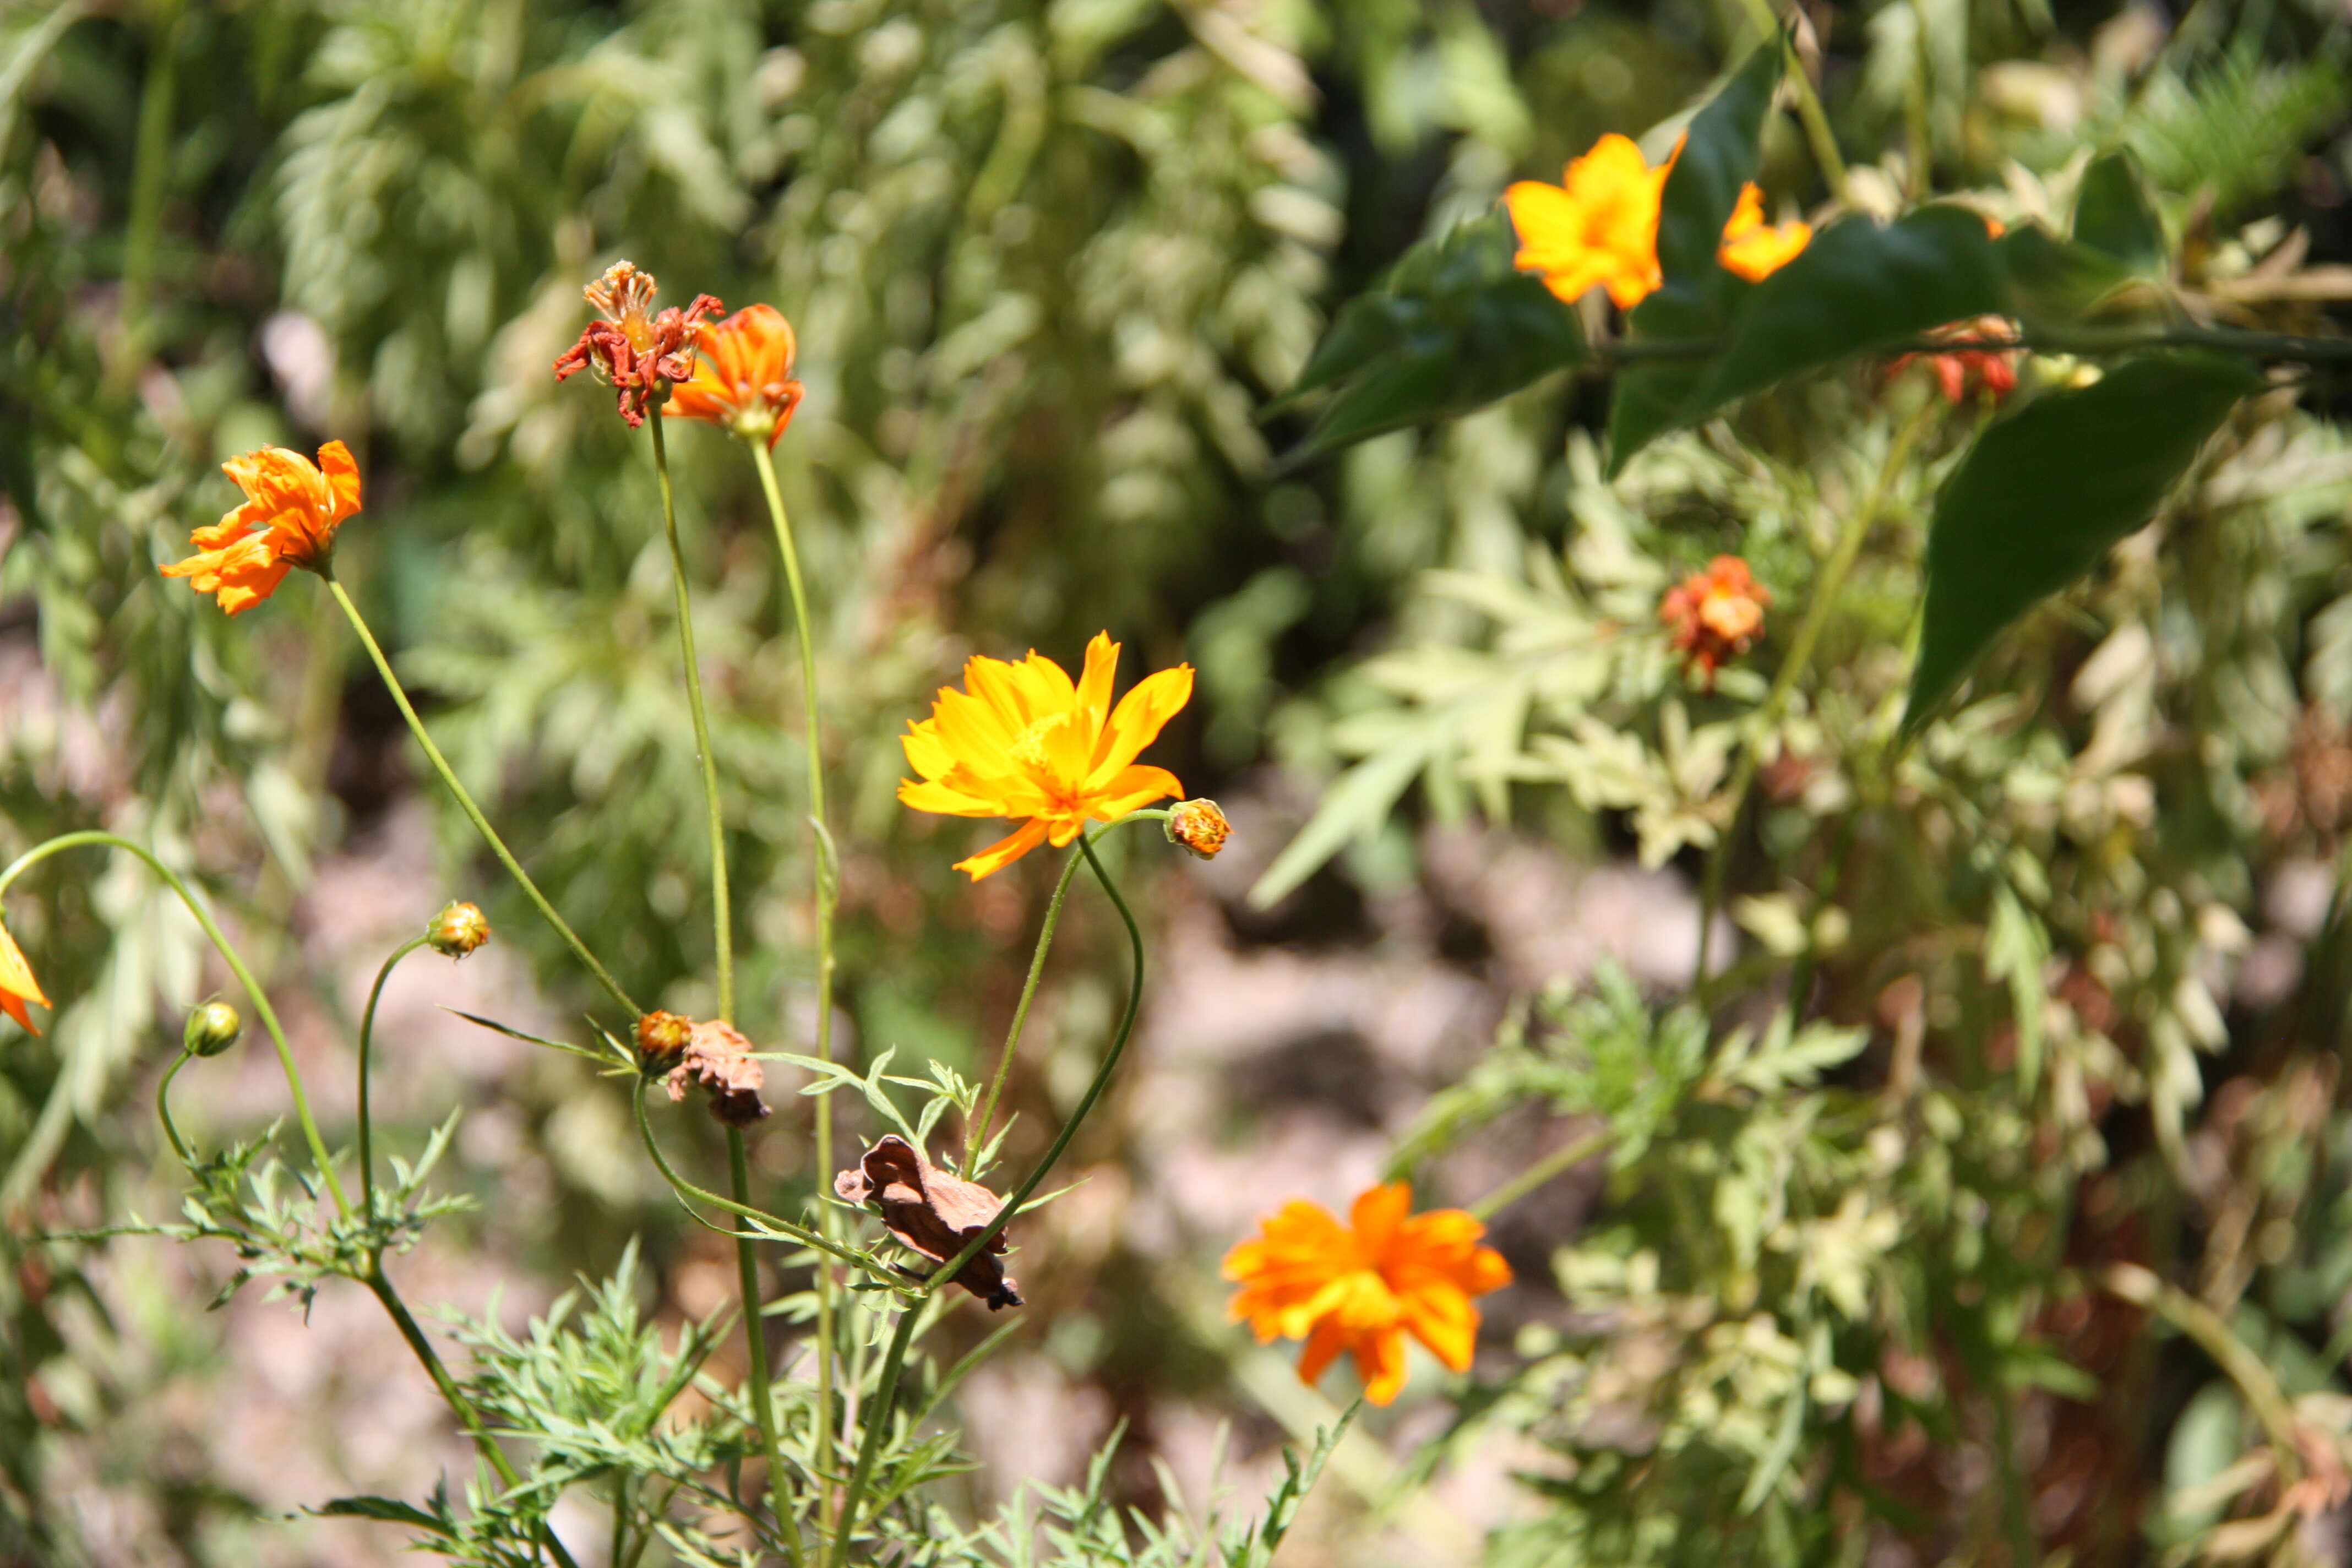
1021, 740
1362, 1287
1754, 250
1715, 614
18, 986
290, 513
743, 382
1597, 228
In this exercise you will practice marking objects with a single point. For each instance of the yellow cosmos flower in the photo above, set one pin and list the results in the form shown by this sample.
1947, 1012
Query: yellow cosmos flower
1598, 227
18, 986
1023, 740
1363, 1285
291, 510
1754, 250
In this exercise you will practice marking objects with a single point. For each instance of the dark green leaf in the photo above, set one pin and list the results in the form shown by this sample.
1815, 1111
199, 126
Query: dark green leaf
2057, 283
1695, 299
2112, 215
1858, 288
1455, 326
2047, 490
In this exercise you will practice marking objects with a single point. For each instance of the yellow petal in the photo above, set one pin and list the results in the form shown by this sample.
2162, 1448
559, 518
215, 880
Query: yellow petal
1003, 852
1137, 722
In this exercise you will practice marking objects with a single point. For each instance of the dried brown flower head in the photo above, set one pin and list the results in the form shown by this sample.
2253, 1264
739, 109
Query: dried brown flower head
630, 349
1199, 825
932, 1212
719, 1058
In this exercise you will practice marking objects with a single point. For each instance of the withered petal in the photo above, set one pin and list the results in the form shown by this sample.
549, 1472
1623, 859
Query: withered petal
933, 1213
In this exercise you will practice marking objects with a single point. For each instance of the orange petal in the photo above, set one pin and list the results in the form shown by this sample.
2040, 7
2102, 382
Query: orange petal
1003, 852
1442, 1318
1381, 1363
1130, 789
343, 480
1378, 1215
1138, 720
18, 986
1323, 1346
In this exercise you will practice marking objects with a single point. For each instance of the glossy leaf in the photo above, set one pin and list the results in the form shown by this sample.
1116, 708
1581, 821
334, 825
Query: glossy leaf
1696, 297
1453, 327
1859, 288
2046, 492
2112, 215
2057, 283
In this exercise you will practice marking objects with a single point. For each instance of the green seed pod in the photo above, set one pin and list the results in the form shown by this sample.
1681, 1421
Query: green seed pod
212, 1029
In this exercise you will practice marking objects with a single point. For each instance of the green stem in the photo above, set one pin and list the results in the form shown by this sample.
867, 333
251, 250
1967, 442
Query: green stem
2085, 343
755, 1340
459, 1406
978, 1132
877, 1418
367, 1035
466, 803
1822, 600
1560, 1159
1809, 103
721, 917
783, 1229
163, 1108
253, 991
827, 889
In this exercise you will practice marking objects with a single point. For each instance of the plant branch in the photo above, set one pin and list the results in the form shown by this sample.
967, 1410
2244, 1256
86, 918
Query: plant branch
367, 1035
721, 919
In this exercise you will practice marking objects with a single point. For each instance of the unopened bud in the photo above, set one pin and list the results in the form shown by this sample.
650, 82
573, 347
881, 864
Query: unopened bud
458, 930
212, 1029
1199, 827
662, 1037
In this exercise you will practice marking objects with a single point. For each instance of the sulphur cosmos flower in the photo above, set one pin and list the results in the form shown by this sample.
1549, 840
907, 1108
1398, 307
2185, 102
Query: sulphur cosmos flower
1362, 1287
1598, 228
291, 510
742, 379
18, 986
1024, 740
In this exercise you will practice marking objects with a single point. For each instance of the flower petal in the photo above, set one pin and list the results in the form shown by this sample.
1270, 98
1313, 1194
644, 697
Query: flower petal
1003, 852
1138, 720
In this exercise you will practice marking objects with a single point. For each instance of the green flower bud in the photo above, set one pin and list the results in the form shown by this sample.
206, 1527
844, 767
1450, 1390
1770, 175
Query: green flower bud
212, 1029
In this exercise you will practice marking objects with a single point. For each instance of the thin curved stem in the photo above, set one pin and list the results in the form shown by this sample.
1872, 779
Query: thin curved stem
474, 813
721, 917
1820, 603
977, 1134
1565, 1157
2087, 342
367, 1035
163, 1108
827, 889
784, 1228
876, 1417
253, 991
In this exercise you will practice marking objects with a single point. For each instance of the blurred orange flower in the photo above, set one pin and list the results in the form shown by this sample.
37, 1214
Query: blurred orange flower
290, 513
1754, 250
743, 382
1980, 358
1362, 1287
1021, 740
1597, 228
18, 986
1715, 614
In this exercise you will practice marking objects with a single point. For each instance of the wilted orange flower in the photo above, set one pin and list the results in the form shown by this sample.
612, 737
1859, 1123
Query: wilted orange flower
18, 986
1978, 359
1022, 741
744, 380
290, 513
1754, 250
1714, 615
630, 350
1597, 228
1362, 1287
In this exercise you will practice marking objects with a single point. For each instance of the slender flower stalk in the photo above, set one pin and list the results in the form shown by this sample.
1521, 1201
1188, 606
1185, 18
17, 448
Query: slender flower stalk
163, 1108
466, 803
827, 890
211, 931
876, 1417
367, 1035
